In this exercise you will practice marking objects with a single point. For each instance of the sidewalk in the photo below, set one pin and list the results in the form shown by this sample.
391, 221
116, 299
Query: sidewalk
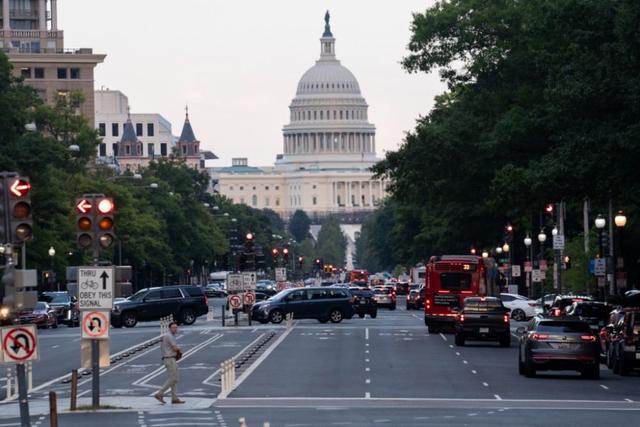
121, 404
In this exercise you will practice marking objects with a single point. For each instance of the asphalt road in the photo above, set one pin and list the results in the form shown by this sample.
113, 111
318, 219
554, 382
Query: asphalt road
362, 372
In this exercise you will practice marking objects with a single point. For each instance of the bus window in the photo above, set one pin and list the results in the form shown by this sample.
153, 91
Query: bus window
455, 281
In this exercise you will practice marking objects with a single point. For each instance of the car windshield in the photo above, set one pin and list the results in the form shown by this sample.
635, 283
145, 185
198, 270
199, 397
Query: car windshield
41, 306
563, 327
56, 298
382, 291
482, 306
138, 295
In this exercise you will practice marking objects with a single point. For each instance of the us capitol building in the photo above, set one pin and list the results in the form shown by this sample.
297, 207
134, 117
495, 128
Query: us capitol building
329, 145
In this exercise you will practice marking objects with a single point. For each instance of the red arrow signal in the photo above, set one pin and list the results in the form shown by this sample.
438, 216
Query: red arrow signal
83, 206
20, 188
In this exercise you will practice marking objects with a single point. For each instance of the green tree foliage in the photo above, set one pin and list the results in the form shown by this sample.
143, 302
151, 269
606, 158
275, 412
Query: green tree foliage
542, 105
332, 244
299, 225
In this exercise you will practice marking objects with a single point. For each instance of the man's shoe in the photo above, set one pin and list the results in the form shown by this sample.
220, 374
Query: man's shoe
159, 398
177, 401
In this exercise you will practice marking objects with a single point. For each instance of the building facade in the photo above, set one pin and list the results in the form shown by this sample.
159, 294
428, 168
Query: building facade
30, 37
328, 148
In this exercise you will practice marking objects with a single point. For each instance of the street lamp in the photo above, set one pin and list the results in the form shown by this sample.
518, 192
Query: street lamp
485, 254
498, 250
554, 232
52, 253
505, 247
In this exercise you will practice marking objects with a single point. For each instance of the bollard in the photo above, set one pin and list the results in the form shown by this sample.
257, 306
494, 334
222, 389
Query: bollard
222, 307
210, 314
266, 424
242, 422
53, 409
29, 376
235, 317
74, 390
9, 386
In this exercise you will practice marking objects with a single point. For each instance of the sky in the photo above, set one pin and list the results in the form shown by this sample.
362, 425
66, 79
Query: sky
236, 63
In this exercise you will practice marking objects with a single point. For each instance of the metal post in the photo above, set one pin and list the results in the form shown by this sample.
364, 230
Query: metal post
24, 256
74, 390
53, 409
22, 396
95, 367
223, 310
610, 262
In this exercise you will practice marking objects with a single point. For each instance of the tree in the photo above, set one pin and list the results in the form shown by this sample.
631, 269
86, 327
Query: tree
332, 244
299, 225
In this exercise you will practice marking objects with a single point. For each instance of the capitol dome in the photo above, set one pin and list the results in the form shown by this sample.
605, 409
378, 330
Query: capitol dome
329, 125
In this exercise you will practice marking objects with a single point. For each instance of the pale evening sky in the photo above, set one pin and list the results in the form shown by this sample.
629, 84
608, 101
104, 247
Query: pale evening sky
237, 63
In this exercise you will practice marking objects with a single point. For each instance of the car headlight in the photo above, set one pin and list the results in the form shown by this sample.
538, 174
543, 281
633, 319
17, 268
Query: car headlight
265, 307
4, 312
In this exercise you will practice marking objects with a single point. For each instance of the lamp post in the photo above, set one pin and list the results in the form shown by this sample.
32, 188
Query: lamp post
505, 249
52, 253
600, 223
620, 221
556, 263
527, 244
542, 237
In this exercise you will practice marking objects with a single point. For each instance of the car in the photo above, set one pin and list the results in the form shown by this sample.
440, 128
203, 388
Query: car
522, 308
363, 302
624, 346
267, 286
483, 318
42, 315
595, 313
65, 306
402, 288
551, 343
561, 302
385, 296
214, 291
322, 303
184, 302
415, 298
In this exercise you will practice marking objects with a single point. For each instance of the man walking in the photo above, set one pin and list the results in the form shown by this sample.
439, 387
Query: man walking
170, 350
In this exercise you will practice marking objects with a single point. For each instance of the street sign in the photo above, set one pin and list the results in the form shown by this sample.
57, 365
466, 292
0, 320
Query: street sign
95, 324
527, 267
249, 280
234, 301
95, 288
249, 298
600, 267
234, 282
19, 344
281, 274
515, 271
536, 276
543, 265
558, 242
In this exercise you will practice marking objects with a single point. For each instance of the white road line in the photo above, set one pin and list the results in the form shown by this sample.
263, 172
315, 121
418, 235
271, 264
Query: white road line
457, 353
629, 400
473, 371
366, 333
367, 395
367, 381
450, 345
465, 362
443, 337
604, 387
210, 377
366, 352
367, 369
367, 360
485, 384
472, 414
55, 346
497, 397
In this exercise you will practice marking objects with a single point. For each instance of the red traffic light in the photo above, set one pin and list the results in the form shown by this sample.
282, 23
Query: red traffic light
548, 208
249, 236
300, 259
105, 206
509, 228
285, 251
19, 188
83, 206
274, 252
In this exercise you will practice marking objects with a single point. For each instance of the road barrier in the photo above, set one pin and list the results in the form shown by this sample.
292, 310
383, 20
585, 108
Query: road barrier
210, 314
289, 320
228, 376
11, 386
164, 324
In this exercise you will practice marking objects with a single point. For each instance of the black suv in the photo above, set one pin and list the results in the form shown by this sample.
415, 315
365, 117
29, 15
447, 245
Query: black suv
322, 303
363, 302
65, 306
184, 302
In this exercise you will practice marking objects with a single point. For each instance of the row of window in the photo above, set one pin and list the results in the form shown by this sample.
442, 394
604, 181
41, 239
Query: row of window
115, 129
150, 150
39, 73
337, 115
321, 86
241, 188
296, 200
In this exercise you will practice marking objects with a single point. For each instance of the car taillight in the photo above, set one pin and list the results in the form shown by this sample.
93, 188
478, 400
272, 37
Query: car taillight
427, 303
555, 312
505, 318
407, 297
589, 338
462, 317
206, 300
533, 304
539, 337
351, 300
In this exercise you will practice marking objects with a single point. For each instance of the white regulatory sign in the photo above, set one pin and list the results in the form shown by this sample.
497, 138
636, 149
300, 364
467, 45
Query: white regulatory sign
515, 271
558, 242
249, 280
234, 282
281, 274
95, 288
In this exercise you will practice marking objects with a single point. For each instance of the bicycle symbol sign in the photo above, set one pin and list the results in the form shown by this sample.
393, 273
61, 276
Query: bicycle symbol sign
96, 288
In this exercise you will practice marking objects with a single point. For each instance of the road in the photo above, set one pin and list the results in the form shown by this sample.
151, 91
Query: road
362, 372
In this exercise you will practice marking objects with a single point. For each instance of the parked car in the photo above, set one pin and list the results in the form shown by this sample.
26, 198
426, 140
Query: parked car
624, 346
321, 303
214, 291
595, 313
558, 344
184, 302
267, 286
65, 306
415, 298
42, 315
483, 318
363, 302
385, 296
522, 308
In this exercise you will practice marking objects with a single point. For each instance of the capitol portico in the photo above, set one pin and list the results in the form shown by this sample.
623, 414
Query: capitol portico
328, 148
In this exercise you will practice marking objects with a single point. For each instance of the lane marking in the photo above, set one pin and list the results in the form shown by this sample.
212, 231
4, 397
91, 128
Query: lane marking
497, 397
367, 344
629, 400
465, 362
472, 414
443, 337
207, 381
485, 384
367, 369
473, 371
367, 360
604, 387
366, 351
450, 345
367, 381
366, 333
457, 353
367, 395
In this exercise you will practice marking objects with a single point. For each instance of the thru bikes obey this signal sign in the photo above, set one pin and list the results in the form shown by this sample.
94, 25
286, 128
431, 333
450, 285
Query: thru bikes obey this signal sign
95, 288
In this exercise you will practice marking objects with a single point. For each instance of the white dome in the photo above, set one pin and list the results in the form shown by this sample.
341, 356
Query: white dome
328, 77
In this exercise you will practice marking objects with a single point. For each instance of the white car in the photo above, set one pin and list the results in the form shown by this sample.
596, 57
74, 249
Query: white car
521, 307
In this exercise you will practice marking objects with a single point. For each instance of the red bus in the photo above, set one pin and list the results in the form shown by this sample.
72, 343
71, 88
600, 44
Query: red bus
359, 276
449, 280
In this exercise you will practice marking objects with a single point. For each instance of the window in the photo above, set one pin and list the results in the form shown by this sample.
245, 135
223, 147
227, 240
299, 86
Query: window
241, 188
103, 150
315, 200
321, 115
231, 188
340, 114
102, 129
266, 188
254, 200
335, 114
114, 147
150, 129
153, 295
114, 129
506, 298
62, 73
313, 186
277, 202
254, 188
127, 150
277, 187
25, 72
138, 129
266, 201
163, 149
38, 73
150, 149
455, 281
74, 73
171, 293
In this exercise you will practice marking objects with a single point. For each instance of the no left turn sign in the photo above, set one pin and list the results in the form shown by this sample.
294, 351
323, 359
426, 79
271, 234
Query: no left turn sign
95, 324
19, 344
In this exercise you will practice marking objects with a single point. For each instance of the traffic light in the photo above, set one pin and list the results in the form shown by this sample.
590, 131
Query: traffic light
548, 209
300, 261
248, 242
84, 222
473, 251
20, 222
104, 222
285, 255
567, 262
318, 263
274, 253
